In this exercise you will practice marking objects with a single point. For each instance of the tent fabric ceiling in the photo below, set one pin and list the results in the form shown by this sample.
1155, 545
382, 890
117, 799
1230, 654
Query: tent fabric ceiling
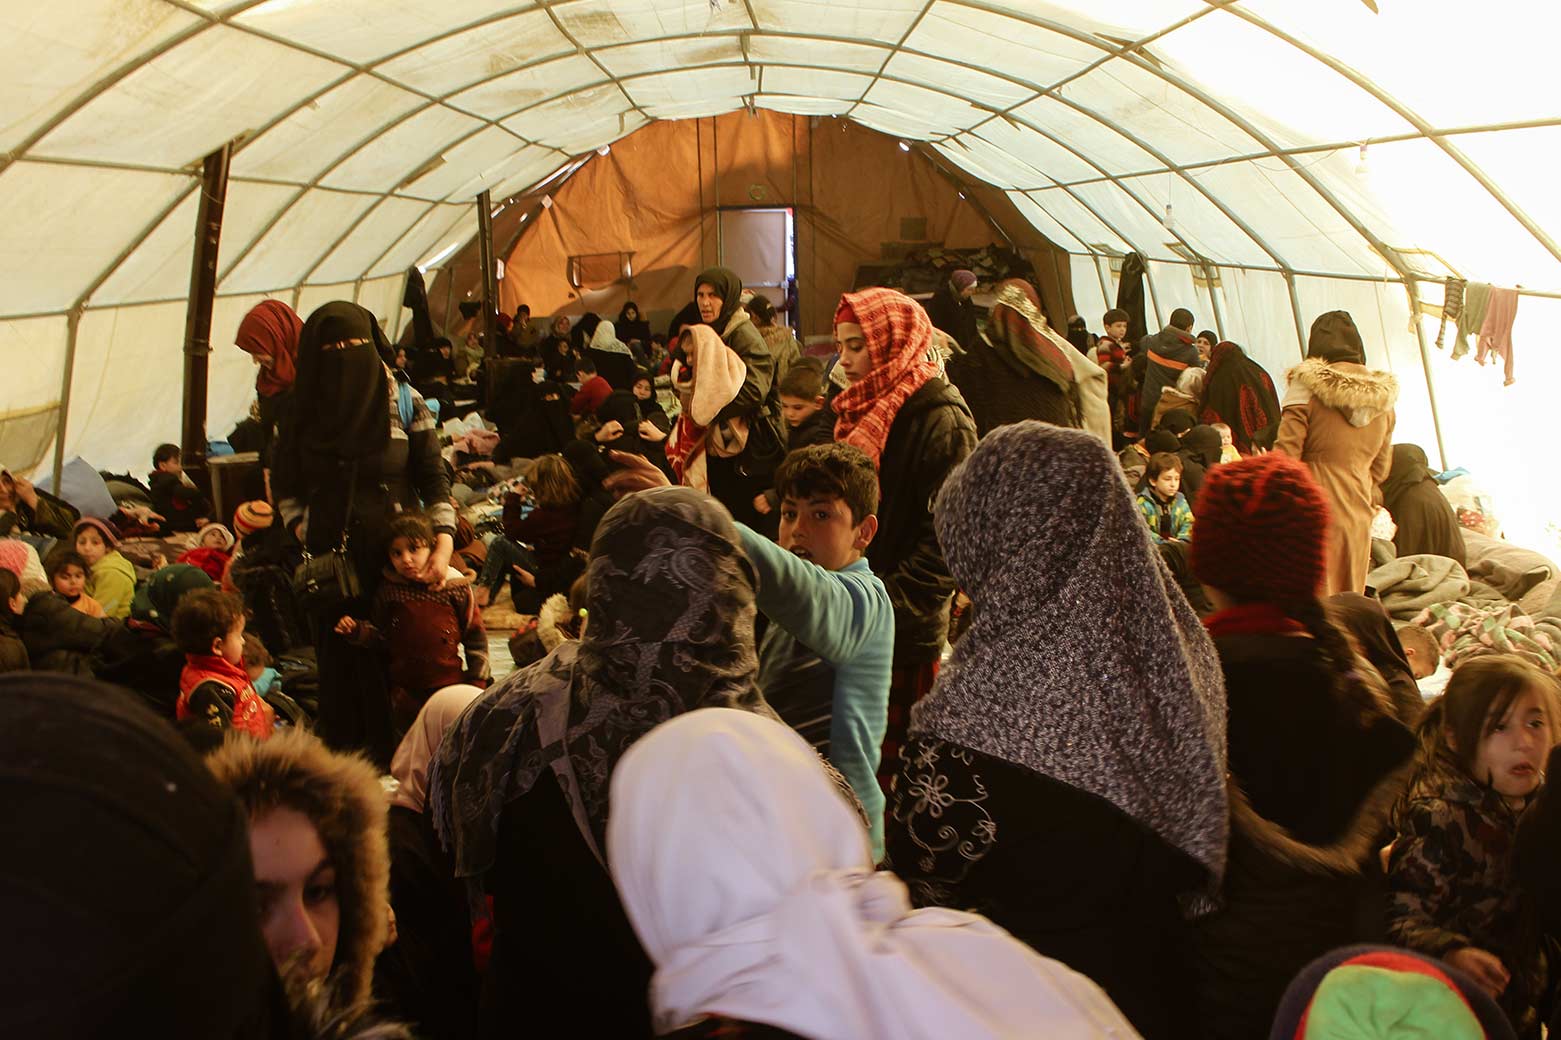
1230, 131
1341, 142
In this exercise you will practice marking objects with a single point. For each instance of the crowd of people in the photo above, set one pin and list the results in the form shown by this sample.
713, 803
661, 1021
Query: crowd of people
976, 680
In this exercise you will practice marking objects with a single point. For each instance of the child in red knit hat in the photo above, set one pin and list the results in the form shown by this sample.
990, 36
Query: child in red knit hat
1315, 751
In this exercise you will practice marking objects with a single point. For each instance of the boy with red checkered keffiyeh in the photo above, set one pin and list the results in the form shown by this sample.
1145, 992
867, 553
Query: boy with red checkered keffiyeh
914, 424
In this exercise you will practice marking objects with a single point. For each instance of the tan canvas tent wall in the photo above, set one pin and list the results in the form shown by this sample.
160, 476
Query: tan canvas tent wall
658, 192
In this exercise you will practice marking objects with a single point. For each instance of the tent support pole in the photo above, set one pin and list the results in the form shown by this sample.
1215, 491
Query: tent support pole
490, 282
1295, 312
1413, 289
203, 292
72, 324
1214, 298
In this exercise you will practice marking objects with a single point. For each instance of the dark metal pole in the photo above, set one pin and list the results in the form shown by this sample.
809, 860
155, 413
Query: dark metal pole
490, 278
203, 293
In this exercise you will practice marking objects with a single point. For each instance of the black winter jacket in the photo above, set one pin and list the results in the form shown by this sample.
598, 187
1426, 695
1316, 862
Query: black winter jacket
13, 652
61, 638
999, 394
140, 656
1312, 784
932, 434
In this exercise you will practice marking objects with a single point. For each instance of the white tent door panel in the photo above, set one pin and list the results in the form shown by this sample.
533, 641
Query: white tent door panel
755, 243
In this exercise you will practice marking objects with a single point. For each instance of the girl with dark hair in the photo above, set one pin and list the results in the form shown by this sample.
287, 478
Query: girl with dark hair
1315, 751
1482, 760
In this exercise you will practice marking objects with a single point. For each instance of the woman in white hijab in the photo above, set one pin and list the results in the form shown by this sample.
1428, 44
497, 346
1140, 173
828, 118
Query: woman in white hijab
614, 361
750, 883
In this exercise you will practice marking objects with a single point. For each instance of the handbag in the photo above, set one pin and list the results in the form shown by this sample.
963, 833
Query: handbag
324, 583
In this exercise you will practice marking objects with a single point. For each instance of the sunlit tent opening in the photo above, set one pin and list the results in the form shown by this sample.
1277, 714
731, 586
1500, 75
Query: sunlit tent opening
1270, 161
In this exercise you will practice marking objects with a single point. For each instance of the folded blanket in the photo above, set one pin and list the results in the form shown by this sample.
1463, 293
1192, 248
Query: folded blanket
1410, 584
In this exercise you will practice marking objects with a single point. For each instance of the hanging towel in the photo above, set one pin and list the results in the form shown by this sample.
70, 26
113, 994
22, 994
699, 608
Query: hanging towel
1496, 329
1452, 307
1476, 299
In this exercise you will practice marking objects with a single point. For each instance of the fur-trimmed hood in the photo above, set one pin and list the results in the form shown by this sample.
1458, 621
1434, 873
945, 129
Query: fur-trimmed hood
343, 797
1361, 394
551, 619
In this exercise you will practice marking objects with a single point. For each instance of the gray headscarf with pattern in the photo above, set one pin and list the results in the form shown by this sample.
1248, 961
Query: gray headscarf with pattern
670, 629
1084, 662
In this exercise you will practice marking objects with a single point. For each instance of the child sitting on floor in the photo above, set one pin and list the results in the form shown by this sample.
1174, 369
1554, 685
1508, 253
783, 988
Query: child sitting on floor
1452, 895
208, 625
825, 660
537, 553
1162, 503
112, 581
68, 576
593, 392
423, 629
213, 551
180, 503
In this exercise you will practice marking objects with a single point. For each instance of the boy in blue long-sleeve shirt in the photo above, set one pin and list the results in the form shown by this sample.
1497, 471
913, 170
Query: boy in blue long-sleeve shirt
824, 661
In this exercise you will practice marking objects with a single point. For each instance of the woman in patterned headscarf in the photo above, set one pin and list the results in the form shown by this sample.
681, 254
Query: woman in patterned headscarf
915, 427
1066, 775
518, 790
1019, 368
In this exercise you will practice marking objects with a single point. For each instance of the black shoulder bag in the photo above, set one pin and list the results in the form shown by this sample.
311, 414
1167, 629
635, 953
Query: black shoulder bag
325, 583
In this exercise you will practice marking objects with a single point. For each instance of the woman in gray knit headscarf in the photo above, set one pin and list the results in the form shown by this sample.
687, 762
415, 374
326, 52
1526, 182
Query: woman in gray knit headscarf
1065, 776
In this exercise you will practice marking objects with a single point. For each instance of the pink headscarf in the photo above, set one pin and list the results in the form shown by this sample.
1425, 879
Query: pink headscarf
410, 764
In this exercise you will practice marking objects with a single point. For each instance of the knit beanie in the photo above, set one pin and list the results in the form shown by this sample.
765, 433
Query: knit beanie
1262, 531
227, 535
1383, 993
962, 280
251, 517
156, 600
109, 532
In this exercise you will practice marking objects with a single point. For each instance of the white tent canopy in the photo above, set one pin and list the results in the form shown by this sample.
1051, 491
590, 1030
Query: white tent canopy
1270, 159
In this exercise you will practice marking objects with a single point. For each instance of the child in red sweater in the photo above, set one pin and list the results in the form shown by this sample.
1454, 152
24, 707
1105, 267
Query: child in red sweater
214, 686
424, 628
594, 390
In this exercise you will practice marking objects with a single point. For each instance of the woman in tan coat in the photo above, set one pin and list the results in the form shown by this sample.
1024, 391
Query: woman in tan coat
1338, 419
